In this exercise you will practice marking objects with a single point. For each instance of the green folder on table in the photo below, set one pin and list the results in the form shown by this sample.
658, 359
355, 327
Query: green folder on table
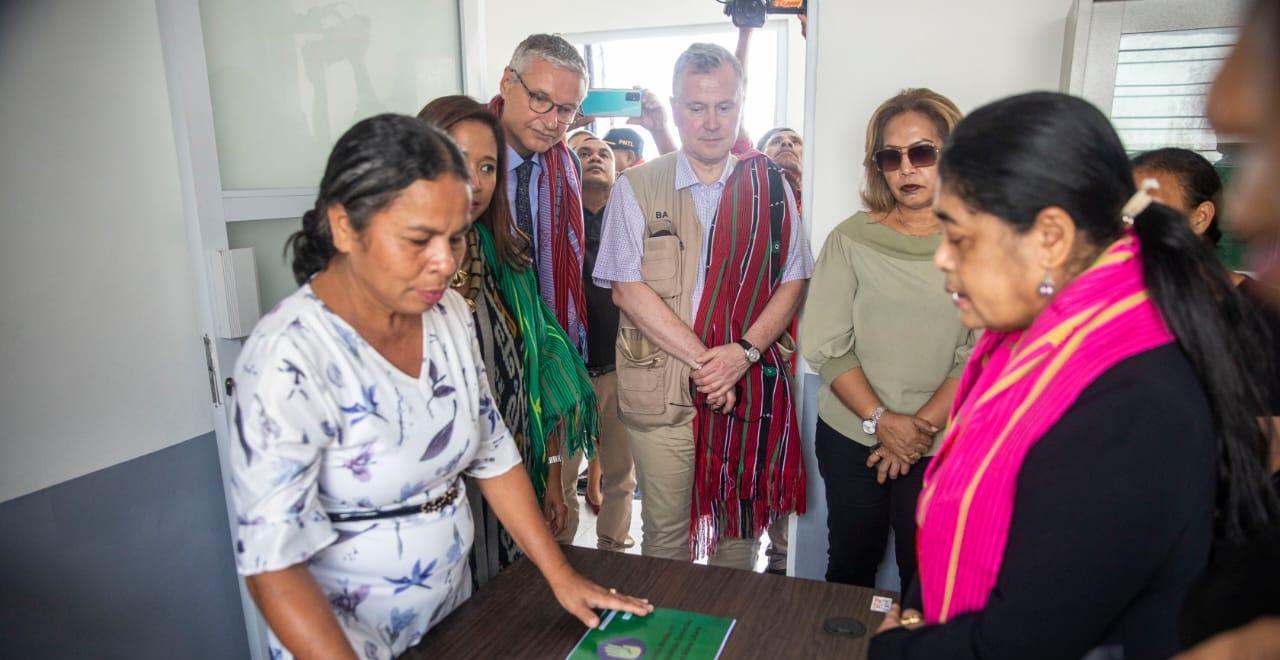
663, 634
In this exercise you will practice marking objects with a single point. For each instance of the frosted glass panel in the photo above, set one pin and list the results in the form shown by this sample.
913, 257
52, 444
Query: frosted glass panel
287, 77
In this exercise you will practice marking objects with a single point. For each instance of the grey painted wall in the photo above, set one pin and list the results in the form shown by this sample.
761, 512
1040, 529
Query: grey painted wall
132, 561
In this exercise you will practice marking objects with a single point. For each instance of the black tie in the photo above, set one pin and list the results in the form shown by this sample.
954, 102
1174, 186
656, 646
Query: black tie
524, 214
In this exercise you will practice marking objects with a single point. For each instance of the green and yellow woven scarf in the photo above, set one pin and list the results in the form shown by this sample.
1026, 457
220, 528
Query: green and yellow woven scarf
561, 399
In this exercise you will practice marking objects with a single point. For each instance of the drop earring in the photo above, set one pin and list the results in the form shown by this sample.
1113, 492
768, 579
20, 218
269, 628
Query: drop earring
1047, 287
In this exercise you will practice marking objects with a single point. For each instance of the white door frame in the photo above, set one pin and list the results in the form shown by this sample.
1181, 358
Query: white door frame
187, 79
1094, 28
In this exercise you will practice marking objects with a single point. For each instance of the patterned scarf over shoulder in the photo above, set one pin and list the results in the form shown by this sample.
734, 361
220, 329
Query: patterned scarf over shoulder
747, 467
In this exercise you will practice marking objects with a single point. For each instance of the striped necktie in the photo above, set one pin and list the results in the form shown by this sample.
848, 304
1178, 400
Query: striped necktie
524, 212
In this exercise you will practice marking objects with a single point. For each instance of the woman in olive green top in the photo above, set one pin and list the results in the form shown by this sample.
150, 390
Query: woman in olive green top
881, 330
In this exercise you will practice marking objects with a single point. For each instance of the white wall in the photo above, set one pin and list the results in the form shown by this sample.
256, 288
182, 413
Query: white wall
508, 22
974, 52
100, 357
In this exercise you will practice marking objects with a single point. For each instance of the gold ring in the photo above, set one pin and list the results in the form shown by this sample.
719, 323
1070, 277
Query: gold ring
910, 619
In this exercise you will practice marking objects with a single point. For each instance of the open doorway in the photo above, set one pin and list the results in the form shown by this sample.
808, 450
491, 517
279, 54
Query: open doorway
645, 58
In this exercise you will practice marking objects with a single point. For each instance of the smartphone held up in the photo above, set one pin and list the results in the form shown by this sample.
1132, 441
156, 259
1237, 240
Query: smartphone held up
603, 102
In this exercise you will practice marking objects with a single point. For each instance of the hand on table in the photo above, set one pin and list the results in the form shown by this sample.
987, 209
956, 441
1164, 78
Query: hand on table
910, 619
722, 368
579, 596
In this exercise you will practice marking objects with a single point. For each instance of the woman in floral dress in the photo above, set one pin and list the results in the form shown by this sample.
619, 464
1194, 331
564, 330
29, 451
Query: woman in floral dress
360, 401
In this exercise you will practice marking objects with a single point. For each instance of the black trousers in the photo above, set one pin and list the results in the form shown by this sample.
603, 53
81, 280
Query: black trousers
861, 511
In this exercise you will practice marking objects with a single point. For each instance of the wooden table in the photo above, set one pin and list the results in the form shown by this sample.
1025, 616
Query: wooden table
516, 615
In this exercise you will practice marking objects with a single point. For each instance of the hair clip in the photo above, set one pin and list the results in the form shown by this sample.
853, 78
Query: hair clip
1139, 201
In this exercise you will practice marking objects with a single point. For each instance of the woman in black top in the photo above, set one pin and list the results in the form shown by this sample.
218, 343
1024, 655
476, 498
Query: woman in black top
1113, 509
1126, 474
1187, 183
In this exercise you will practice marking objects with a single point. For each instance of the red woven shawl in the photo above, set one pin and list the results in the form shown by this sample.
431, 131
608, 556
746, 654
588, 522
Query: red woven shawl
747, 468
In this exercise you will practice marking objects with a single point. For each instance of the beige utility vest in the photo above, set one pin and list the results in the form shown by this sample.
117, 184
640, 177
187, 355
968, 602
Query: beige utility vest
653, 386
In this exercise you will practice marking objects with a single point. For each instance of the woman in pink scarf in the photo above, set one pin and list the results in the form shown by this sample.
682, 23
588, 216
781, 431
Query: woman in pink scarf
1105, 415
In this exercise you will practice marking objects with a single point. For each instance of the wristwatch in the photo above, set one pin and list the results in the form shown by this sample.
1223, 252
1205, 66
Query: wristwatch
753, 353
869, 424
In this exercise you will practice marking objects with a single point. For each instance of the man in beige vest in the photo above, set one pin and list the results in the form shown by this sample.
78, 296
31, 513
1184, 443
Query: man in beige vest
655, 254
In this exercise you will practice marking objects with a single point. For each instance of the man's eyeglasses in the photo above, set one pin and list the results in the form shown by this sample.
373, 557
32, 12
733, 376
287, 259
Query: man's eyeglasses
542, 104
920, 155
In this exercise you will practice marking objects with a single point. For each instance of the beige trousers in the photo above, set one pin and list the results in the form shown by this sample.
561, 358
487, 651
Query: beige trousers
617, 479
664, 466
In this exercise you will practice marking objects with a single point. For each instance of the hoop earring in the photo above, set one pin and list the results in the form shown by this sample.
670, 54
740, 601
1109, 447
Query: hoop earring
1047, 287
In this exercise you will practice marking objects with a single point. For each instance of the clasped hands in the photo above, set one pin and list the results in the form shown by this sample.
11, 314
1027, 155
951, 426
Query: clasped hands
904, 439
715, 373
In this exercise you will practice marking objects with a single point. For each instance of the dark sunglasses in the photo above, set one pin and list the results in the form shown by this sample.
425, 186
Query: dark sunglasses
920, 155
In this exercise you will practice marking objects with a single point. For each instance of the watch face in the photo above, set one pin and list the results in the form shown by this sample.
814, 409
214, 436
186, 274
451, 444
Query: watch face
869, 427
753, 355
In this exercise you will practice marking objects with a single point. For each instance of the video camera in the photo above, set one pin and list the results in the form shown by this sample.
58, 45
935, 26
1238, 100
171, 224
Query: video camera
751, 13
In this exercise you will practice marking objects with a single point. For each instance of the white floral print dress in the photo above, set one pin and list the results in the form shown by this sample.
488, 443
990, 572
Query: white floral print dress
324, 424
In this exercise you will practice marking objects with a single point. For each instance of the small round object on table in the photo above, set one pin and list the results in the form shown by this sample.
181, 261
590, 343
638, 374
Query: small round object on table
844, 627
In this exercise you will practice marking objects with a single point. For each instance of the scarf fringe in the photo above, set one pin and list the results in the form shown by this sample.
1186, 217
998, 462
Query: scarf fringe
731, 517
578, 428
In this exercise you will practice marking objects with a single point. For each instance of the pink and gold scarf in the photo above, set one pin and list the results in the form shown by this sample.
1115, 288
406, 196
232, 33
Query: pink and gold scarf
1015, 387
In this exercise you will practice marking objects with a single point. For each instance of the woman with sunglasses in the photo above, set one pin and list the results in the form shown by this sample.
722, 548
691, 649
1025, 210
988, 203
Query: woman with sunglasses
880, 330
